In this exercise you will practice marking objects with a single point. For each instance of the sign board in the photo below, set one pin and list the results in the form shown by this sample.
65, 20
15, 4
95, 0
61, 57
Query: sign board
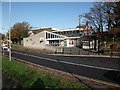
41, 39
62, 38
3, 45
72, 41
85, 41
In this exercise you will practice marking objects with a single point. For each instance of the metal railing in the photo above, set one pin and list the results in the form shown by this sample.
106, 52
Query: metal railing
67, 51
76, 51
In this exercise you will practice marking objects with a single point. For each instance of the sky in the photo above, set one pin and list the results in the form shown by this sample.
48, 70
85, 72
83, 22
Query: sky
59, 15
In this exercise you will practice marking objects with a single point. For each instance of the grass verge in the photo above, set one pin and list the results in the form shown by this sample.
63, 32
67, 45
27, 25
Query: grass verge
29, 77
109, 42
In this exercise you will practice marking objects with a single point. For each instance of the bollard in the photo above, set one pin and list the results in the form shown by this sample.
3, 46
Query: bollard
89, 49
55, 50
98, 50
111, 47
79, 51
70, 50
111, 52
63, 51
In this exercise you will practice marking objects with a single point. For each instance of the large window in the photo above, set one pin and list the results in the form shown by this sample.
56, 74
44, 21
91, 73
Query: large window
51, 35
73, 32
65, 32
77, 31
86, 44
46, 35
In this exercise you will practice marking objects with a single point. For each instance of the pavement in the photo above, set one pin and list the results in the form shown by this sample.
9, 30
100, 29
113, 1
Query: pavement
109, 56
75, 51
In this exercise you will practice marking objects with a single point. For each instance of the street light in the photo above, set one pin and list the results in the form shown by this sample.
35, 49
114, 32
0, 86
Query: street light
9, 30
79, 29
79, 23
105, 44
113, 39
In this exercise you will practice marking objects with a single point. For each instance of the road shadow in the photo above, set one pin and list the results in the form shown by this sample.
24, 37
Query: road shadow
38, 84
69, 71
73, 74
113, 75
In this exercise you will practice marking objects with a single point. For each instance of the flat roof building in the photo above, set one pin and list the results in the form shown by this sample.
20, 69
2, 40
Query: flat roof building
46, 38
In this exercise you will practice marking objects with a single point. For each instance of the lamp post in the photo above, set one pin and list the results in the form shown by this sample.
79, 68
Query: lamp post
105, 44
79, 23
113, 39
9, 30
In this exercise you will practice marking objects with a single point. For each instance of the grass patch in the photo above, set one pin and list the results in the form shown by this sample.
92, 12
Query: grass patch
108, 42
107, 50
29, 77
117, 49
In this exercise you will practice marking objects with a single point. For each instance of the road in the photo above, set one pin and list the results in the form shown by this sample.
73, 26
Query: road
100, 68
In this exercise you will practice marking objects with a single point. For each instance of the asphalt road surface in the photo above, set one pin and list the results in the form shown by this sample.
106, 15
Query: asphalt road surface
100, 68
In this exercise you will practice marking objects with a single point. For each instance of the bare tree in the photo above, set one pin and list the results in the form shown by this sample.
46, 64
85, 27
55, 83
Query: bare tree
96, 18
109, 14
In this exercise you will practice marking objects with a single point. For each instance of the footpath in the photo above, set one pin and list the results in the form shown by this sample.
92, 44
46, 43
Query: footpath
107, 56
80, 52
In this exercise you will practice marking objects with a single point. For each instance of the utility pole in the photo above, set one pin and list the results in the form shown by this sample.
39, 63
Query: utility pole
79, 23
9, 30
79, 28
87, 27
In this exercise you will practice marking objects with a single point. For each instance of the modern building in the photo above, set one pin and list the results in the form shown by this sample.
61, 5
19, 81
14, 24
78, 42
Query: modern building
49, 37
74, 32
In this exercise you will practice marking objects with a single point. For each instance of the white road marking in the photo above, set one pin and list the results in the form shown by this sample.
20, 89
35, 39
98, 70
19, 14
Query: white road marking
67, 62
